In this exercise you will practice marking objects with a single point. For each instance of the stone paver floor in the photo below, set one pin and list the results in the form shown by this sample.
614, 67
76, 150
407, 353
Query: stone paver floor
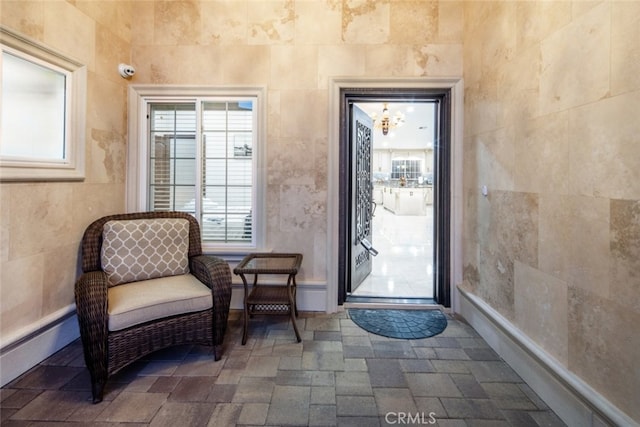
339, 375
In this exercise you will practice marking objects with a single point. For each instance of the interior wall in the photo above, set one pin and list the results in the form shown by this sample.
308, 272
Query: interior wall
283, 46
43, 222
551, 128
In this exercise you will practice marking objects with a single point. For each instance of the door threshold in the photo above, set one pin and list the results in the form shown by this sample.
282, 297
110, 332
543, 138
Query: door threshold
379, 302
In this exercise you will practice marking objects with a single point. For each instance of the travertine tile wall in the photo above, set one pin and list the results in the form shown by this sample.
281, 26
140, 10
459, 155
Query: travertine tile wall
42, 223
293, 48
551, 127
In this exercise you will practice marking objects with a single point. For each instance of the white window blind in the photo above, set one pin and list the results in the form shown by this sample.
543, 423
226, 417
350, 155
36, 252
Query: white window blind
213, 179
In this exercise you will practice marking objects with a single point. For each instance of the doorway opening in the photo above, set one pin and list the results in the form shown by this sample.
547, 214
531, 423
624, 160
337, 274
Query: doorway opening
409, 171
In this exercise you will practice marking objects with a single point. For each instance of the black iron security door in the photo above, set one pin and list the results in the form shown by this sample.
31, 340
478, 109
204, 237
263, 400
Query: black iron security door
362, 194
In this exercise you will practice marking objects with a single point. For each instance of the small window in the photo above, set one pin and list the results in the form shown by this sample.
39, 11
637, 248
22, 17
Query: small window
42, 112
409, 169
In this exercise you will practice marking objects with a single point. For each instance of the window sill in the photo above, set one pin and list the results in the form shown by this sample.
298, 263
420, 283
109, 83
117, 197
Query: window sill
233, 254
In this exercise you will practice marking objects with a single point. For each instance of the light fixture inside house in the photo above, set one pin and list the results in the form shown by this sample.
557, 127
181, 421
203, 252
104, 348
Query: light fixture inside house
386, 121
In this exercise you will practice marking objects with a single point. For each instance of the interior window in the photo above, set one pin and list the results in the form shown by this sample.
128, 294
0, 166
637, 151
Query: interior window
409, 169
42, 108
202, 154
220, 193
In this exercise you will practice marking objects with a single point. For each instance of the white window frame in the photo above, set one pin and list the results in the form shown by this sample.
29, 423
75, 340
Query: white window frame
72, 166
140, 96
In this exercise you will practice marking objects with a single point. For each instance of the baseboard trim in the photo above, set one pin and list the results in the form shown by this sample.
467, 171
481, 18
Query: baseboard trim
573, 400
23, 354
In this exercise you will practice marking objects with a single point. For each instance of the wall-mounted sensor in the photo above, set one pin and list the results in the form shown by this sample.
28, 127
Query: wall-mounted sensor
126, 71
485, 190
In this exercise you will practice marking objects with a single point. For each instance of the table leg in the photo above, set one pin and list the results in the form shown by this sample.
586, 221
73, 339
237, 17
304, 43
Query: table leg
245, 323
295, 296
293, 308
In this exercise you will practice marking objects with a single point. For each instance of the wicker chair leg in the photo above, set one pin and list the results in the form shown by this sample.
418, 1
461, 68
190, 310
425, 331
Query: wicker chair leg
217, 352
97, 390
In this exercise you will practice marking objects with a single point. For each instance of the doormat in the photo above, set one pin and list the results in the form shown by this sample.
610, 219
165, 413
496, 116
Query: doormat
405, 324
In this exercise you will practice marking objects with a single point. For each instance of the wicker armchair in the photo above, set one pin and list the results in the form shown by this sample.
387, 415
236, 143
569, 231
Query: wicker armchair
107, 351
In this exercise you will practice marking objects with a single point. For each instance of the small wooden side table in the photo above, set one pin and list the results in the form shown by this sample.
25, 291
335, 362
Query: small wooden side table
269, 299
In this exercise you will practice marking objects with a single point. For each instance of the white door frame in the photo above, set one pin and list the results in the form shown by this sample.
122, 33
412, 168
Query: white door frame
336, 84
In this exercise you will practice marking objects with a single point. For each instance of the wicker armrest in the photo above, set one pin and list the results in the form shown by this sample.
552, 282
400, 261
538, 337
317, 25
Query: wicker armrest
216, 274
91, 297
212, 271
91, 307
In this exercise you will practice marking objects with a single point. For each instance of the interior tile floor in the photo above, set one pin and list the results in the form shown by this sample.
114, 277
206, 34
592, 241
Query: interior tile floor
403, 267
339, 375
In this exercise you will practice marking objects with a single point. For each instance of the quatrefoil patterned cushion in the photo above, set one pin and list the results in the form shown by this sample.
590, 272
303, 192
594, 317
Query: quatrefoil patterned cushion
142, 249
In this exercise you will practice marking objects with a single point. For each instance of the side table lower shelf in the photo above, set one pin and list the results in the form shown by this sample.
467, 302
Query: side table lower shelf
269, 300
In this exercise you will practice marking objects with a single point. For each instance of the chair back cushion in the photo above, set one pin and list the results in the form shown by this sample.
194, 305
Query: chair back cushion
92, 238
142, 249
140, 302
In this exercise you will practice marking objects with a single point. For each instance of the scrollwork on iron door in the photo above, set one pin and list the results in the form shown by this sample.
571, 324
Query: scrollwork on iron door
363, 181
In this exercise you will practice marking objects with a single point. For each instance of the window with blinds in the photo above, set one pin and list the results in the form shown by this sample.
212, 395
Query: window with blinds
406, 168
201, 162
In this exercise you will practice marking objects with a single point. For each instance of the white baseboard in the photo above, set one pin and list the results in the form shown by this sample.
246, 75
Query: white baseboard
19, 357
574, 401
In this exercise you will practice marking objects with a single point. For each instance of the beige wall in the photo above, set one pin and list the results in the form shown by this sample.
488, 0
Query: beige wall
551, 102
551, 127
42, 223
293, 48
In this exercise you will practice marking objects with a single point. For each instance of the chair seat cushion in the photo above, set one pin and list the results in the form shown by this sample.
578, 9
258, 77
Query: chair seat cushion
139, 302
